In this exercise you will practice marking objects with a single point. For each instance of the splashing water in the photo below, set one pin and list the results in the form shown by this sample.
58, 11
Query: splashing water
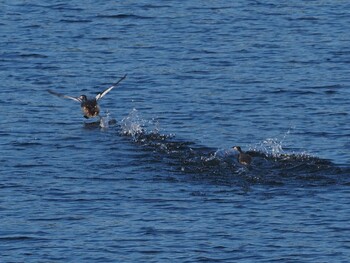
134, 125
222, 154
272, 146
106, 121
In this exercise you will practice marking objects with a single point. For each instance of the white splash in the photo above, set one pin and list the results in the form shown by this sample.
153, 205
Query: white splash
221, 155
224, 153
134, 125
271, 146
104, 121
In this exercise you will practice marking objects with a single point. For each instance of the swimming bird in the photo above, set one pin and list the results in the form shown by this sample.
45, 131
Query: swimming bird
90, 106
243, 158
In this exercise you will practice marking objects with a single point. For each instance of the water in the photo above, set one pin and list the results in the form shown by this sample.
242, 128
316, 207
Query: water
156, 180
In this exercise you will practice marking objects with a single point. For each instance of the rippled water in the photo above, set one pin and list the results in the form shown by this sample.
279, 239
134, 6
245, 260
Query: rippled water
156, 180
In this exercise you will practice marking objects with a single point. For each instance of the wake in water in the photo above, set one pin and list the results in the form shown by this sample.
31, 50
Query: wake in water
271, 164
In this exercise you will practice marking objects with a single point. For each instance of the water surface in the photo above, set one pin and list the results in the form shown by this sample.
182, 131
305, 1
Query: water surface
162, 184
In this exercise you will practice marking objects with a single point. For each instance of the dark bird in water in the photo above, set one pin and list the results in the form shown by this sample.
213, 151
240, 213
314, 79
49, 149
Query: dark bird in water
243, 158
89, 107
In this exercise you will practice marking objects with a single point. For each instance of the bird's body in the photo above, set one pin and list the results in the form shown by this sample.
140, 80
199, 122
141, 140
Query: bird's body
89, 107
243, 158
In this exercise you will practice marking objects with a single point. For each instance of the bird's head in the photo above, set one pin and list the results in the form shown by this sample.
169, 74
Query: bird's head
82, 98
237, 148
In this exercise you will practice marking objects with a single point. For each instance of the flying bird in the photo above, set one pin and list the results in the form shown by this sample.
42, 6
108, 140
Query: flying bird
89, 106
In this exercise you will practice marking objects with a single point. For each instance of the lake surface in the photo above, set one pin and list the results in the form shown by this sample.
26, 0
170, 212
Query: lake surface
157, 180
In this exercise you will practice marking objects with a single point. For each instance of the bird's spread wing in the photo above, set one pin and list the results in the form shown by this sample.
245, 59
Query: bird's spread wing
63, 96
101, 94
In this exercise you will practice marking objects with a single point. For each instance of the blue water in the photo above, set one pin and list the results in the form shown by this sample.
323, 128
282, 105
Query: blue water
162, 184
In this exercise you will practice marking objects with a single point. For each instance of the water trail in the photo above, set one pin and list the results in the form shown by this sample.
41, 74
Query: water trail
271, 163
